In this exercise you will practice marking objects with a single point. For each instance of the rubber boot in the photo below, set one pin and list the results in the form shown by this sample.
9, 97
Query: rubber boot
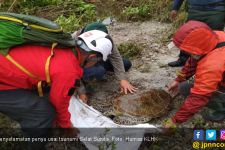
218, 111
216, 116
183, 57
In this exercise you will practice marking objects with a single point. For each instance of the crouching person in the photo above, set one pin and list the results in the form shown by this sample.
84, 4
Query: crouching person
207, 51
115, 63
28, 68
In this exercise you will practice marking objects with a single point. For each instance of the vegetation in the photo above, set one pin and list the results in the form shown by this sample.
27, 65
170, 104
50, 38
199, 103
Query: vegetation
70, 14
130, 50
130, 10
73, 14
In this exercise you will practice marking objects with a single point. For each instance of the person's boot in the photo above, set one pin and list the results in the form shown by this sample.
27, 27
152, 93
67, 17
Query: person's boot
178, 63
216, 116
215, 105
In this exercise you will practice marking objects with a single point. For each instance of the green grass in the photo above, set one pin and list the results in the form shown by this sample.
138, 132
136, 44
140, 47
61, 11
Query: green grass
130, 49
73, 14
70, 14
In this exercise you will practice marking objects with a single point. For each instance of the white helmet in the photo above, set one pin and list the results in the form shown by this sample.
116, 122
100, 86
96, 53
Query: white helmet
96, 40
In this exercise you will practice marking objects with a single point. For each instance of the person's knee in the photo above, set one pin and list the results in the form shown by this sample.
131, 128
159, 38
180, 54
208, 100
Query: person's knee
96, 72
100, 72
127, 64
44, 115
184, 88
48, 116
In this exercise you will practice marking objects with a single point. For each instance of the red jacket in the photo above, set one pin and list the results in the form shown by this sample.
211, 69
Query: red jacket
195, 38
64, 70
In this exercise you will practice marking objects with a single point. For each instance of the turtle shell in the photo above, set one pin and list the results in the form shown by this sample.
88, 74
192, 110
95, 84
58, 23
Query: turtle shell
152, 103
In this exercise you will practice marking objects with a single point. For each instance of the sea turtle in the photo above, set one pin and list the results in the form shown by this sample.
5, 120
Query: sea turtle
152, 103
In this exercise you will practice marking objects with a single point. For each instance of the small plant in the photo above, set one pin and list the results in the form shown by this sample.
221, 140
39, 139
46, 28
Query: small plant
136, 13
199, 123
70, 24
130, 49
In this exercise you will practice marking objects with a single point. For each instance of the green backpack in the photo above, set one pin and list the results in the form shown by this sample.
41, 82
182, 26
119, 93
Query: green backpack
17, 29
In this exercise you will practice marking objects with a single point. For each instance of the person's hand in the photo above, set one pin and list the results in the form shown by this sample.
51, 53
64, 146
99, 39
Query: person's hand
84, 98
126, 87
173, 15
169, 127
169, 124
173, 88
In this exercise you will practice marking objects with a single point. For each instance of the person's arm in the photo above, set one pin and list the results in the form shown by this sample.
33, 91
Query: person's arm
192, 104
117, 63
119, 70
63, 84
187, 71
184, 74
176, 6
208, 76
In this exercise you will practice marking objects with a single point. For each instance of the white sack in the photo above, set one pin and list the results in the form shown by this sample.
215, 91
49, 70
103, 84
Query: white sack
105, 130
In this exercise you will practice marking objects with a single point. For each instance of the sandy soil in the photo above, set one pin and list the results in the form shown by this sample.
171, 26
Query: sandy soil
150, 70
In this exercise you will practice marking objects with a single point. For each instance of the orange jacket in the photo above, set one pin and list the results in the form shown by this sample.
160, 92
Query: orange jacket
196, 38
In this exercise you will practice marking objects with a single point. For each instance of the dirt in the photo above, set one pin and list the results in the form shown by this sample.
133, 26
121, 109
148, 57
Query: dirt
150, 70
151, 67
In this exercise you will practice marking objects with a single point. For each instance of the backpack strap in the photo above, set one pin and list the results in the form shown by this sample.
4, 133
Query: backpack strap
47, 64
221, 44
41, 83
21, 67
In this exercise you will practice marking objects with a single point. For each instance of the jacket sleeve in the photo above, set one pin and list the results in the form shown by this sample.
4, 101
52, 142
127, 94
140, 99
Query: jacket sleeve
59, 96
208, 76
192, 104
177, 4
117, 63
187, 71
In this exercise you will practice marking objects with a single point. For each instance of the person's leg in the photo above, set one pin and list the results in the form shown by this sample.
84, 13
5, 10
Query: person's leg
96, 72
217, 105
127, 64
214, 19
185, 88
35, 114
183, 57
109, 67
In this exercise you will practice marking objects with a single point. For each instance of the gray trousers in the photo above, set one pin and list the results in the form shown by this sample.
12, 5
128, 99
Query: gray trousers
216, 102
35, 114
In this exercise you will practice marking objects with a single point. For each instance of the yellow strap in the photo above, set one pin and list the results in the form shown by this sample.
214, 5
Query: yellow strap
21, 67
47, 72
31, 25
39, 87
179, 73
47, 64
